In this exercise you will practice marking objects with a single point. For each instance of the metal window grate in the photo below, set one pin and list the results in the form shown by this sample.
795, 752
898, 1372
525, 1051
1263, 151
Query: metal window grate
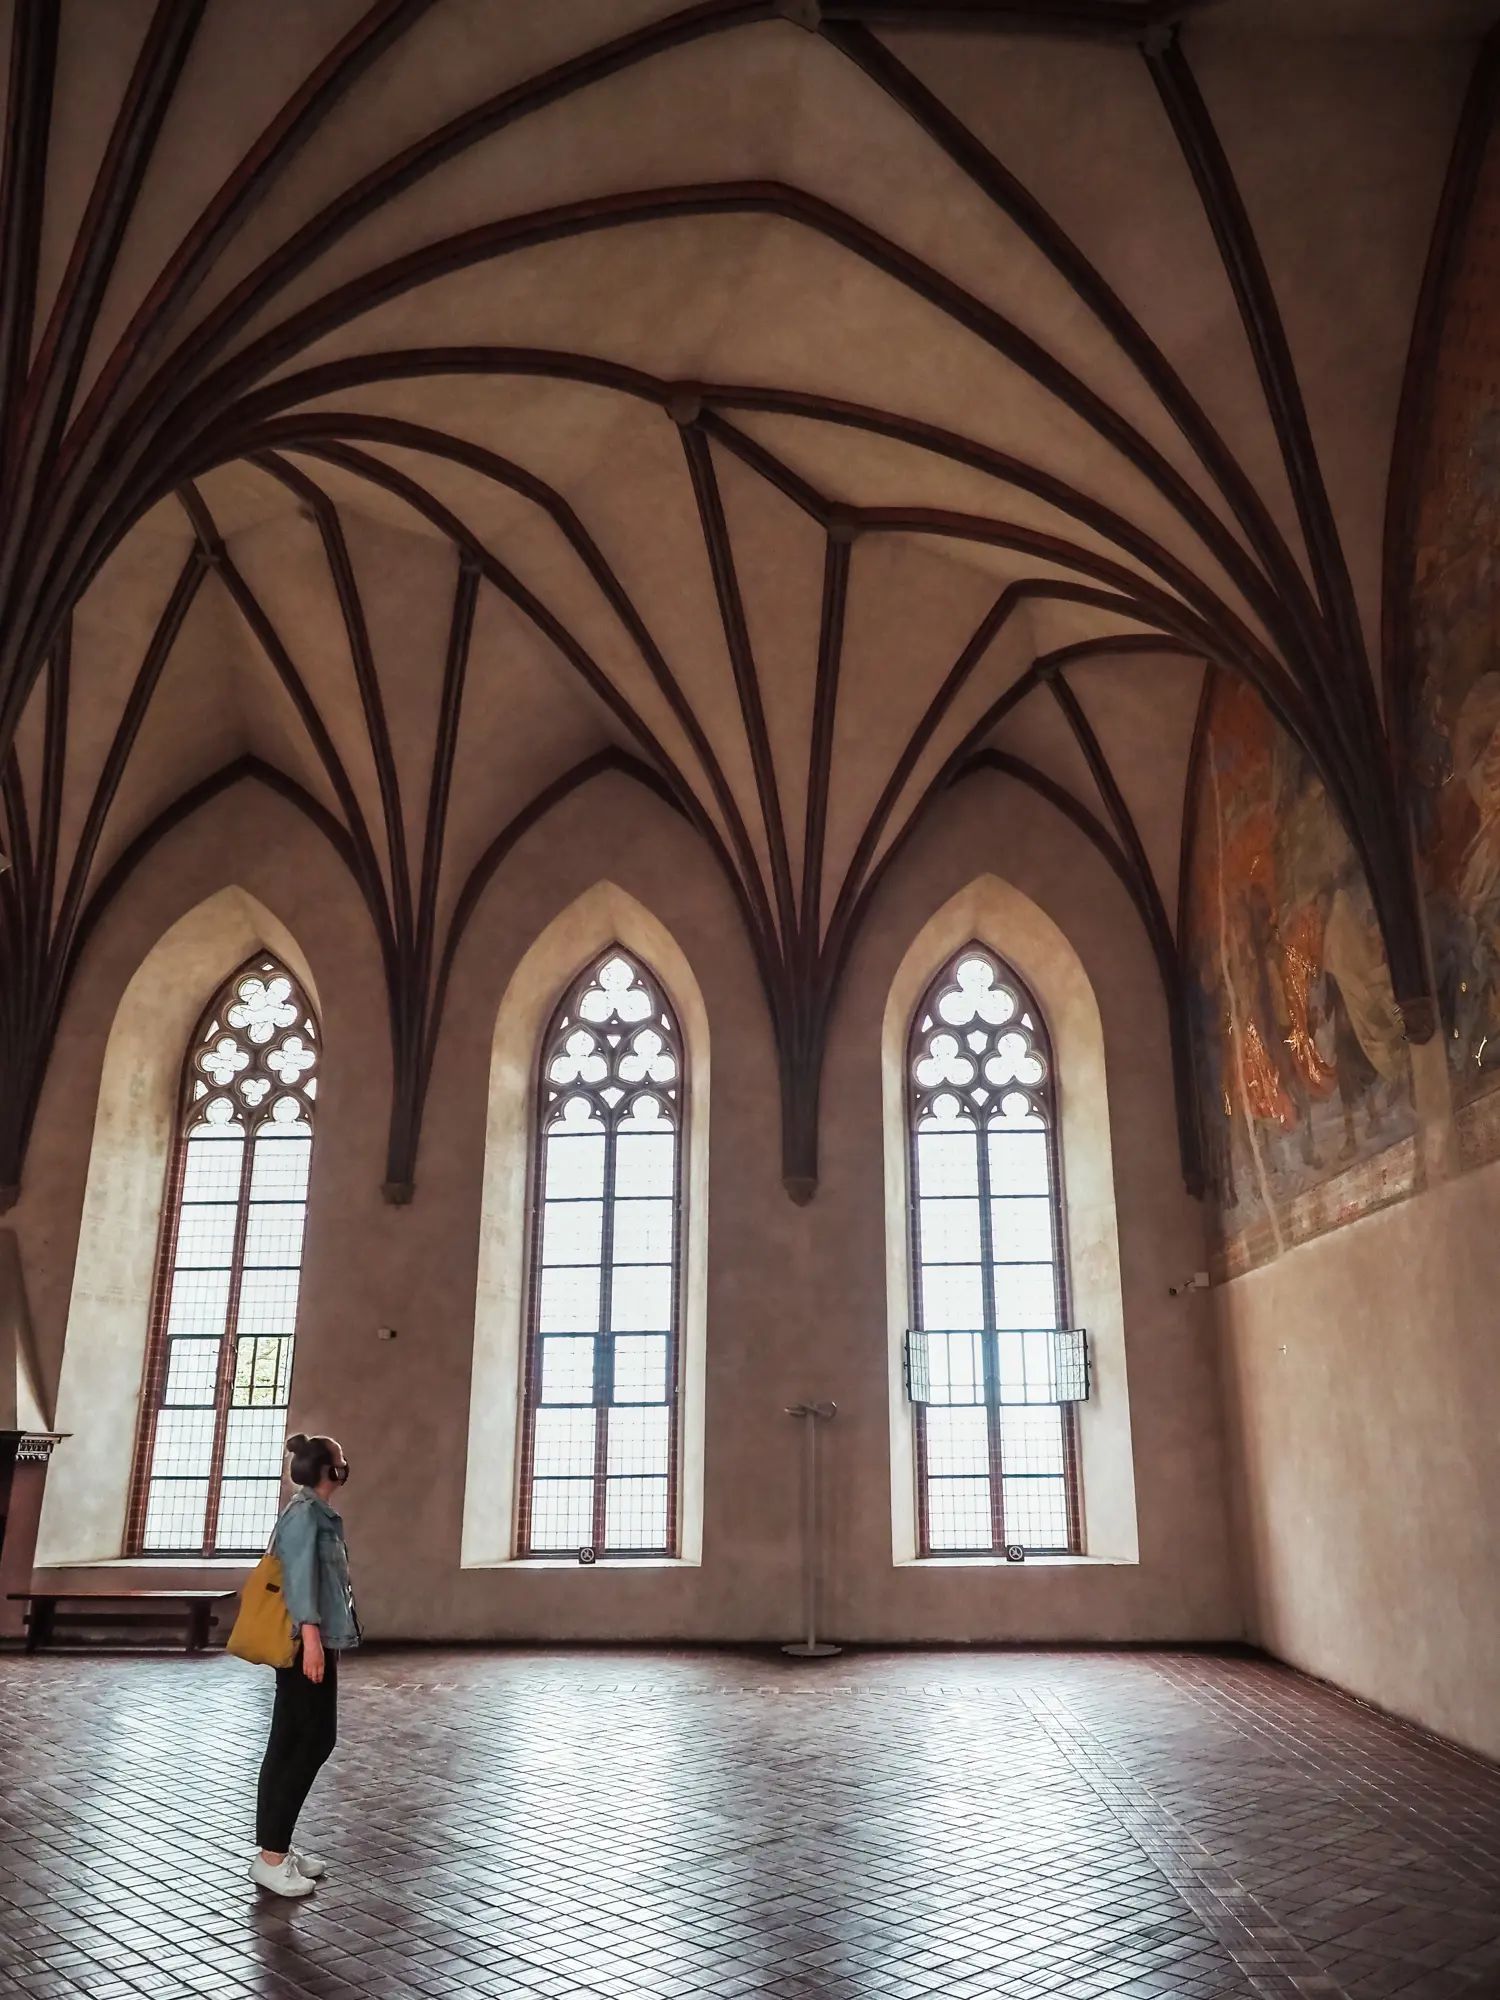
947, 1370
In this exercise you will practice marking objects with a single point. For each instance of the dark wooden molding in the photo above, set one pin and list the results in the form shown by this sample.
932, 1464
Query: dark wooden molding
1352, 737
1287, 587
720, 553
413, 1038
23, 175
1083, 20
58, 363
1270, 349
836, 556
1478, 124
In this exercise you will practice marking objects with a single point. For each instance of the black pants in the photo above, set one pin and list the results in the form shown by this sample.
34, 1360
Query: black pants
304, 1729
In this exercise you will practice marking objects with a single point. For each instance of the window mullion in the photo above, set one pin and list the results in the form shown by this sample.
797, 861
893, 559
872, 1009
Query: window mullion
228, 1349
991, 1357
159, 1350
604, 1372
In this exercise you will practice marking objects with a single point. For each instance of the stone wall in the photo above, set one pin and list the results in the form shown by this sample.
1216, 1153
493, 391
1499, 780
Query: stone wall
797, 1301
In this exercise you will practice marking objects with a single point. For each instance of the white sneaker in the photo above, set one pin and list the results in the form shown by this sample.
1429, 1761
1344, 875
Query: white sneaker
285, 1878
313, 1866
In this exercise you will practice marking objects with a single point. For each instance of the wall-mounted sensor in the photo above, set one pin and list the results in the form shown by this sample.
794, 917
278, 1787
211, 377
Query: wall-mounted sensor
385, 1333
1198, 1282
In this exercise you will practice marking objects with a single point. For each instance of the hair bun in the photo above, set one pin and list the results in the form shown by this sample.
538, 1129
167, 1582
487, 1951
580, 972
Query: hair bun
298, 1441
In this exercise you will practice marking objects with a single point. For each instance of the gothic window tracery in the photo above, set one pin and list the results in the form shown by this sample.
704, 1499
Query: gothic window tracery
219, 1363
995, 1467
600, 1429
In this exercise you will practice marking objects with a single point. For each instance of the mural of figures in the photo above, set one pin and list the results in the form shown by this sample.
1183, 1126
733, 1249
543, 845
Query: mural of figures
1303, 1071
1455, 630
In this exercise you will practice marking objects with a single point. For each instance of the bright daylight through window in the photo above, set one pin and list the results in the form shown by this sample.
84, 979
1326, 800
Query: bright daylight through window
601, 1374
995, 1450
219, 1364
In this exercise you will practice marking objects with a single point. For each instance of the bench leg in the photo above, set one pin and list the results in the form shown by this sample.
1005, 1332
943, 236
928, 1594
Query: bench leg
197, 1626
39, 1623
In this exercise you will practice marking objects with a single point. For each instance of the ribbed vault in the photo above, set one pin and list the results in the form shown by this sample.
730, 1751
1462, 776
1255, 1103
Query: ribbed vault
428, 406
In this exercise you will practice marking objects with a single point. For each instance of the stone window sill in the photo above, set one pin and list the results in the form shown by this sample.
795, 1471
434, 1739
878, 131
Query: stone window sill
1031, 1562
562, 1565
156, 1562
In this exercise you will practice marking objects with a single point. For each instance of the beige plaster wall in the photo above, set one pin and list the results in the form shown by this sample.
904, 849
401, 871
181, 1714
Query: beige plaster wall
796, 1300
1361, 1377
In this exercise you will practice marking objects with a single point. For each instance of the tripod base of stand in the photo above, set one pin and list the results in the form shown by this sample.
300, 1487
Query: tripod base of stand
819, 1650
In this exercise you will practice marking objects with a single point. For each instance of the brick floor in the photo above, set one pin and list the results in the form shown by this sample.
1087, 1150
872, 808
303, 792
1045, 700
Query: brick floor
878, 1827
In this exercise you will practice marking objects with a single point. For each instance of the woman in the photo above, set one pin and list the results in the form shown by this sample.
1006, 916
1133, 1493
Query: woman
309, 1539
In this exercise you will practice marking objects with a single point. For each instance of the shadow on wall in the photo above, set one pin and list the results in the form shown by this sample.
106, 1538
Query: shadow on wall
104, 1352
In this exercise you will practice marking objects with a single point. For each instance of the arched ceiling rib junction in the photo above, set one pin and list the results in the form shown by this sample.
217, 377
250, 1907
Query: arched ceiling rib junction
426, 407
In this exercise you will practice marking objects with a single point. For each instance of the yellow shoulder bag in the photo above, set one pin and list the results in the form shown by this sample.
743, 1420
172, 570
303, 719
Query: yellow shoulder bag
263, 1631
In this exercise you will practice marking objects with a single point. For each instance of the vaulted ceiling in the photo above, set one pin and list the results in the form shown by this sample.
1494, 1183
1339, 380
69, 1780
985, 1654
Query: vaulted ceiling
422, 407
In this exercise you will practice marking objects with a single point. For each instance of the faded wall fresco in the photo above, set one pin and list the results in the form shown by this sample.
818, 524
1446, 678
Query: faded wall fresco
1454, 614
1304, 1080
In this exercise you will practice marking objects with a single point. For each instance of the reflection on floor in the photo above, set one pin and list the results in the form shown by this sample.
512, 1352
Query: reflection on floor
990, 1826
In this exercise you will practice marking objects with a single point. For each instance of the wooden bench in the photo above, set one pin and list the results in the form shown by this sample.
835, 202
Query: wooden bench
190, 1611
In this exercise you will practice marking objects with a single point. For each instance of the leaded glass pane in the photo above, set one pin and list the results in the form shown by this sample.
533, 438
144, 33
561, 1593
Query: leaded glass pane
273, 1232
213, 1165
575, 1165
1022, 1229
562, 1514
949, 1232
253, 1444
958, 1514
268, 1303
568, 1369
1025, 1295
947, 1164
635, 1513
248, 1510
641, 1298
573, 1232
205, 1235
569, 1301
280, 1167
641, 1367
952, 1295
1031, 1441
638, 1441
1036, 1512
192, 1371
1018, 1163
199, 1302
645, 1164
643, 1231
175, 1510
563, 1444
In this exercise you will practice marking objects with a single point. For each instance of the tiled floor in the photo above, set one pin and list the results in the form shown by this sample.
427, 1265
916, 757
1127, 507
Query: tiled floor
983, 1827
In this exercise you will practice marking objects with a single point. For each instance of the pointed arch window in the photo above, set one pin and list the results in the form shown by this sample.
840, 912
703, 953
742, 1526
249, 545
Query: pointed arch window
599, 1463
996, 1457
219, 1360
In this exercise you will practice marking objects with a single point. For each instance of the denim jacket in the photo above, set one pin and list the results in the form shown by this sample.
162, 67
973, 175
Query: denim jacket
309, 1539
